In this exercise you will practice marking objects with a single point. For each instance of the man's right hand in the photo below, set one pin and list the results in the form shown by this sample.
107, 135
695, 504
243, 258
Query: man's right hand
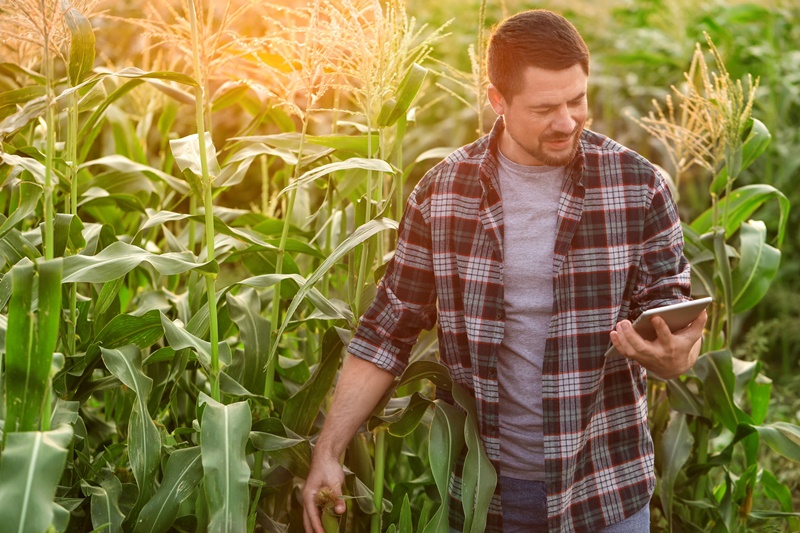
325, 473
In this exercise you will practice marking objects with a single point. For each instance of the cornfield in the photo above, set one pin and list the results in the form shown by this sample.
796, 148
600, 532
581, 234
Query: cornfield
199, 198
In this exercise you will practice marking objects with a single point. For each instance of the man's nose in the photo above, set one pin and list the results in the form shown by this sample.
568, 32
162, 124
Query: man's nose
563, 121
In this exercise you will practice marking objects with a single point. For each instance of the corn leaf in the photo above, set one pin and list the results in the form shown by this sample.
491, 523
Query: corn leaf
406, 93
22, 405
403, 421
310, 176
106, 514
29, 473
363, 233
752, 148
719, 383
782, 437
120, 258
675, 448
186, 152
446, 441
302, 408
29, 194
740, 205
224, 433
67, 234
144, 441
29, 351
182, 475
126, 166
32, 110
179, 339
757, 267
292, 453
480, 479
81, 47
254, 330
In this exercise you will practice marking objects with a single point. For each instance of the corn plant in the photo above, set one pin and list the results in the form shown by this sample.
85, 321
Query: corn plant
709, 429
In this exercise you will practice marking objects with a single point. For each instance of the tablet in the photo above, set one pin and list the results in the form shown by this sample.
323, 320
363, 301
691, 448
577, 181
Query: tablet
677, 316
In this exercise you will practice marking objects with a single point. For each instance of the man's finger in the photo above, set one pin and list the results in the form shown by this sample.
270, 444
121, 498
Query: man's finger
661, 327
311, 518
630, 341
339, 505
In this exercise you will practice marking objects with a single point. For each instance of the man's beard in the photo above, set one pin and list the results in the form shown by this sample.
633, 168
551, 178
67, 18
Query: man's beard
556, 160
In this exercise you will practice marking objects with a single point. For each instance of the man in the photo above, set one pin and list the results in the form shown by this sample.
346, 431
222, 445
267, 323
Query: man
529, 246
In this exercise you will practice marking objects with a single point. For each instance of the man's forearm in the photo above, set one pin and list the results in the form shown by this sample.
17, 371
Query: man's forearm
361, 386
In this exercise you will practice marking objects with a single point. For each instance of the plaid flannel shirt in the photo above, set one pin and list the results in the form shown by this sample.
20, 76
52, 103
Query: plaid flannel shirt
618, 252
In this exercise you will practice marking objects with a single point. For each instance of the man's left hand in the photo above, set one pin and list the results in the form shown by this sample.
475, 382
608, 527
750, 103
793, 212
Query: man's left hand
670, 355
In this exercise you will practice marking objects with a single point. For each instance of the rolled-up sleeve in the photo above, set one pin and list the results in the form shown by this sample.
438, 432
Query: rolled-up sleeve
664, 272
405, 303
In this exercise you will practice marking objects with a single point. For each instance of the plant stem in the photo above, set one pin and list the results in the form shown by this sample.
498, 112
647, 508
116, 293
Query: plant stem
362, 264
50, 142
72, 142
702, 457
380, 465
208, 205
264, 184
276, 296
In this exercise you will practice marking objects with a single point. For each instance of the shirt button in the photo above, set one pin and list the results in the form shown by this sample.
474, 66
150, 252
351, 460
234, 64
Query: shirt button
492, 372
501, 314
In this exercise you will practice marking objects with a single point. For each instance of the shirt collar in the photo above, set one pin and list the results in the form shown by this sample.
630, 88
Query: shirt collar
490, 164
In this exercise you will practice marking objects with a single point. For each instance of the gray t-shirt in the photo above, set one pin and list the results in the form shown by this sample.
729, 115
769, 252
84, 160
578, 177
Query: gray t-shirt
530, 196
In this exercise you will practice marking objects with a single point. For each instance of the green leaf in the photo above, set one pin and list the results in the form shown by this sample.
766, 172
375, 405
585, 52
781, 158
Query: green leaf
224, 434
120, 258
22, 408
314, 174
179, 339
437, 373
446, 441
81, 47
676, 447
752, 148
32, 110
325, 306
723, 271
406, 92
682, 399
144, 441
17, 97
759, 391
219, 227
740, 205
782, 437
36, 168
403, 421
106, 513
186, 152
29, 352
143, 331
182, 474
302, 408
126, 166
363, 233
67, 234
757, 267
406, 524
292, 453
480, 479
254, 331
29, 473
719, 385
29, 194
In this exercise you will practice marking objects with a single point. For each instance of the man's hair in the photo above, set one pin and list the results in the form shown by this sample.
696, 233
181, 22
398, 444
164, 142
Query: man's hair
537, 38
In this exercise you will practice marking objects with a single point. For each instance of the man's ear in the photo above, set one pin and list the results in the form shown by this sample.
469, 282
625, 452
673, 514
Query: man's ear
496, 100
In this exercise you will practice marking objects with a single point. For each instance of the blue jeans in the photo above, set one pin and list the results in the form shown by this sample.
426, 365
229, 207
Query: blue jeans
525, 510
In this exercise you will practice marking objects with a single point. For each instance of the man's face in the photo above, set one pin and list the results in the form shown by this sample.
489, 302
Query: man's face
545, 119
